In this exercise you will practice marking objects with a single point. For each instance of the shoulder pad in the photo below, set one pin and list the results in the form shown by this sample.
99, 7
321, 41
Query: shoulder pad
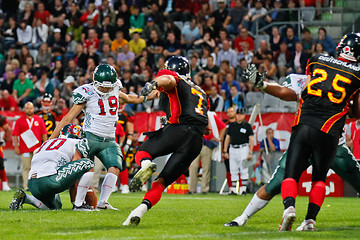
82, 93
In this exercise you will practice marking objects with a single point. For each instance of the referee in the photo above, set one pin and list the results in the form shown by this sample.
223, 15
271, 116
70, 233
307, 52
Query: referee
240, 136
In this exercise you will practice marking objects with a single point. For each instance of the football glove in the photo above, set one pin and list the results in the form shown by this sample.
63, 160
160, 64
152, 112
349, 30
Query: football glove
164, 120
148, 88
127, 145
251, 74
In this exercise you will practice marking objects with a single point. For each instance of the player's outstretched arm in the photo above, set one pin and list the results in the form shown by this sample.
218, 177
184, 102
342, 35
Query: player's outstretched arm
74, 111
284, 93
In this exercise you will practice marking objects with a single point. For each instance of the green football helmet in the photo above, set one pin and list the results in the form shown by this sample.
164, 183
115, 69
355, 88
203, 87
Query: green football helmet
72, 131
104, 76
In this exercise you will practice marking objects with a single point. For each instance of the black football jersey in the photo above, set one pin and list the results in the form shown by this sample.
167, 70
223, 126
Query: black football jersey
186, 103
325, 100
49, 120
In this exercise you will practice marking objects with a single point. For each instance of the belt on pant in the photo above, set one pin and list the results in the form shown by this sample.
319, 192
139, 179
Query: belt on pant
239, 145
100, 139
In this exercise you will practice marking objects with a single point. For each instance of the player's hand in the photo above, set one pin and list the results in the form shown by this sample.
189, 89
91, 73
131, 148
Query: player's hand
226, 155
249, 157
17, 150
148, 88
2, 142
154, 94
252, 75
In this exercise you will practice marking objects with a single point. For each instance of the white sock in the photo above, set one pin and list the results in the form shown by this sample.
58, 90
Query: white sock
255, 205
145, 163
82, 188
29, 199
107, 187
140, 210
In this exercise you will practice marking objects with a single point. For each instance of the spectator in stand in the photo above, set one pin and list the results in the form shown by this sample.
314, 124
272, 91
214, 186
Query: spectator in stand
41, 13
223, 70
73, 70
239, 75
227, 53
189, 34
326, 41
243, 37
277, 15
23, 89
125, 14
104, 40
58, 12
245, 54
282, 58
55, 42
210, 69
92, 12
118, 43
155, 45
29, 132
291, 39
205, 53
39, 34
137, 19
272, 143
216, 101
270, 68
292, 14
262, 53
308, 42
86, 27
7, 102
225, 86
255, 18
106, 26
299, 60
125, 57
235, 100
67, 89
80, 57
205, 42
42, 86
92, 40
106, 52
137, 44
24, 34
15, 64
71, 45
150, 26
73, 12
157, 15
275, 39
208, 83
106, 11
220, 15
319, 49
171, 27
10, 33
56, 74
24, 54
8, 79
313, 3
75, 29
182, 10
194, 70
172, 46
234, 21
11, 54
27, 14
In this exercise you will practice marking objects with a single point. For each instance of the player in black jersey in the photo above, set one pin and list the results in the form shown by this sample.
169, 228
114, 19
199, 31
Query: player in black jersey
185, 105
47, 113
330, 85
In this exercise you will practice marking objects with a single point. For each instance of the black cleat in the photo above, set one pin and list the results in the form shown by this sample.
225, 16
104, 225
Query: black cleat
135, 220
83, 208
231, 224
18, 200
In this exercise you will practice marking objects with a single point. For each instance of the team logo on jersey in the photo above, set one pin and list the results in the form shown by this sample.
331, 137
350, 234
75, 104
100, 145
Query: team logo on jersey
87, 90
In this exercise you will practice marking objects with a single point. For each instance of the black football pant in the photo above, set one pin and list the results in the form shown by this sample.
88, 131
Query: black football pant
308, 142
183, 141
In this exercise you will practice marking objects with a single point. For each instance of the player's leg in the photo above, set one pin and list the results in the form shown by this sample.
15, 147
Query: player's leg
234, 159
193, 174
206, 156
124, 178
20, 198
297, 161
324, 151
244, 170
228, 175
189, 146
3, 177
26, 162
111, 157
346, 166
82, 188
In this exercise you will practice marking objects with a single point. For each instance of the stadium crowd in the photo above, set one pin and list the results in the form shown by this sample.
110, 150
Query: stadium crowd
54, 46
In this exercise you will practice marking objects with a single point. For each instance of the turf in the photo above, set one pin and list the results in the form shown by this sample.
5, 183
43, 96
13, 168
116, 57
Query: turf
177, 217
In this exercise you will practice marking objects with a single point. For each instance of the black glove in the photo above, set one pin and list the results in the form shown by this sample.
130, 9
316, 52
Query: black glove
148, 88
251, 74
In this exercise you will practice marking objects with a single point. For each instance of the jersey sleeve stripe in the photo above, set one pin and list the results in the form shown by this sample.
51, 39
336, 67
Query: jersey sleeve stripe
331, 121
298, 113
175, 107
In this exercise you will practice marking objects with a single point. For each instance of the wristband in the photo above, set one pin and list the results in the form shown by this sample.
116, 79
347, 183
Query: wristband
154, 84
263, 87
128, 142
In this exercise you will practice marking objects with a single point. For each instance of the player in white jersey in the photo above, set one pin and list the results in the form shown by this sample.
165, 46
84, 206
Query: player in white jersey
100, 100
57, 165
345, 165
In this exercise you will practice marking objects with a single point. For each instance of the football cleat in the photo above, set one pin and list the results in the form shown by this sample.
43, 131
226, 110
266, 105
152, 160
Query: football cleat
18, 200
288, 219
307, 225
132, 219
83, 208
142, 175
231, 224
105, 206
125, 189
242, 219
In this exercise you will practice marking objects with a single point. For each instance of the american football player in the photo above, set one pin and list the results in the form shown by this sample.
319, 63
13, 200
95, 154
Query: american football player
185, 105
48, 114
57, 165
100, 100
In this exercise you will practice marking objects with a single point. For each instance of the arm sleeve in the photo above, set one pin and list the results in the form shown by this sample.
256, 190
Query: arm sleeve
82, 94
83, 148
251, 133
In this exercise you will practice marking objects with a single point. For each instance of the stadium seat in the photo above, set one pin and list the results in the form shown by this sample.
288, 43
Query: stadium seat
253, 98
308, 14
288, 106
270, 104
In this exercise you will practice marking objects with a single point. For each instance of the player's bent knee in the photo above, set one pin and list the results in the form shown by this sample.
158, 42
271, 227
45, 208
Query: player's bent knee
114, 170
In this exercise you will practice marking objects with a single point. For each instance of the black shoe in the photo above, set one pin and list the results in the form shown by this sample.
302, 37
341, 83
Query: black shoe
135, 220
18, 200
83, 208
231, 224
232, 193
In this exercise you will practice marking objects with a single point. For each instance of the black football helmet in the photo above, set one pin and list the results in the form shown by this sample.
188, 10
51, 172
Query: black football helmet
349, 47
180, 65
47, 101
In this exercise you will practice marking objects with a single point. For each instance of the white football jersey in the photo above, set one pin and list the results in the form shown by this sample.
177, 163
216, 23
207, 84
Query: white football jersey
295, 82
52, 155
101, 112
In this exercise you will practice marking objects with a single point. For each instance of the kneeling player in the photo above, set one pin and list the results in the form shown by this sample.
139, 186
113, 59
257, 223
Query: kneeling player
55, 167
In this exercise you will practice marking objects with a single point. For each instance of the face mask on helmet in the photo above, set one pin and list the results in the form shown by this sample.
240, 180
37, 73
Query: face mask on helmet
72, 131
46, 105
349, 47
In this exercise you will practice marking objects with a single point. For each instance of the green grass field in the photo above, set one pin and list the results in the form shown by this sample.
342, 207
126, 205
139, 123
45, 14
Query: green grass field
177, 217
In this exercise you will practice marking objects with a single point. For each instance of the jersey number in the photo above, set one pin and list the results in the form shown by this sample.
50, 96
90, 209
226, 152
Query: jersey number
113, 104
198, 109
54, 145
335, 85
49, 124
